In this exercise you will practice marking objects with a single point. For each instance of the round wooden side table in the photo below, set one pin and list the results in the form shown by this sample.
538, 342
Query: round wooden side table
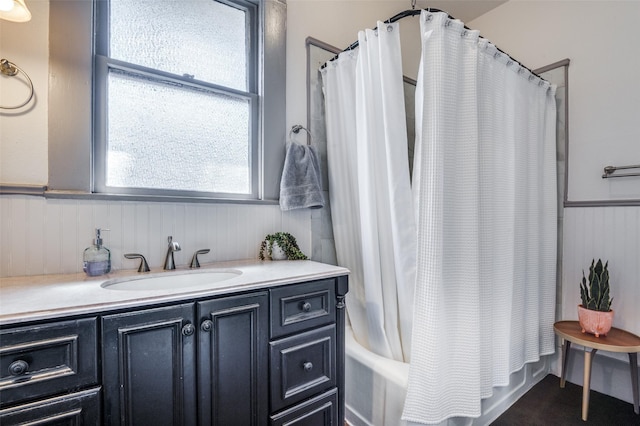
616, 340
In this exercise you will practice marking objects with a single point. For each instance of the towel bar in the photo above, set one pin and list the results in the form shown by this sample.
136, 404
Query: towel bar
610, 170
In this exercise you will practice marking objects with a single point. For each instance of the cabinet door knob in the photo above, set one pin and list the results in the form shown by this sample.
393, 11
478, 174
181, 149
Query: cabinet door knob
306, 306
206, 326
308, 366
18, 368
188, 329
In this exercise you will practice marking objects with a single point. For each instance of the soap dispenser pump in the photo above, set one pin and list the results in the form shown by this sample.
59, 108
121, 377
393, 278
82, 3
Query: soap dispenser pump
97, 258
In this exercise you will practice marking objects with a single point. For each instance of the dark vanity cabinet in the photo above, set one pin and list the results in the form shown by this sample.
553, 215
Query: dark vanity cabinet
304, 354
49, 373
173, 365
272, 356
232, 364
148, 366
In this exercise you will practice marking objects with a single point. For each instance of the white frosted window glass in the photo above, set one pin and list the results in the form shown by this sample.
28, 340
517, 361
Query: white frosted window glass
166, 137
203, 39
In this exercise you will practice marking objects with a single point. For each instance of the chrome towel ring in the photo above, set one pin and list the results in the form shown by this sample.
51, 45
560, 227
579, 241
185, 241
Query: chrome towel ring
10, 69
296, 129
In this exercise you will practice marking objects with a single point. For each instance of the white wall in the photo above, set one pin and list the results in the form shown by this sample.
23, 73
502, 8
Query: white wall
23, 132
336, 23
46, 236
24, 150
41, 236
599, 37
613, 234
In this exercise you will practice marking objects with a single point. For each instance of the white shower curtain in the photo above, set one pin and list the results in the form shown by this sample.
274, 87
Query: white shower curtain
369, 187
485, 201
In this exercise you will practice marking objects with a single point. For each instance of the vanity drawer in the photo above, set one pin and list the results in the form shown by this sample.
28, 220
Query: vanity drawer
319, 411
42, 360
301, 307
79, 408
302, 365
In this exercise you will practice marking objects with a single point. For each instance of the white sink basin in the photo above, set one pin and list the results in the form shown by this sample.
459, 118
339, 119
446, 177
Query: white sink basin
172, 281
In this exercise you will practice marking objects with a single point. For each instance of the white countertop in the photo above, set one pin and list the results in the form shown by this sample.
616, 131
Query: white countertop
39, 297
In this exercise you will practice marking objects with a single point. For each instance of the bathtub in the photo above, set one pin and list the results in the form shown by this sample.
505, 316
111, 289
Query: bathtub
375, 389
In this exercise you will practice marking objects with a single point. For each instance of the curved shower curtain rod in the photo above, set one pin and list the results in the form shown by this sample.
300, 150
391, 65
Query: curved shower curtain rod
414, 12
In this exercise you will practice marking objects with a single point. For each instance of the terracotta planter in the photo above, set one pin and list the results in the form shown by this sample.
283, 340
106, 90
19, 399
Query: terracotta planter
595, 322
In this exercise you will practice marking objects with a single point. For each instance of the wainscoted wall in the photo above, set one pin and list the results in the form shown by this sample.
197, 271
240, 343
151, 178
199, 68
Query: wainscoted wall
602, 129
613, 234
609, 233
45, 236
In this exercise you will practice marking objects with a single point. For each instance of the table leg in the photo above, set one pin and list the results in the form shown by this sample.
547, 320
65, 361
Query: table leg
633, 363
588, 361
566, 345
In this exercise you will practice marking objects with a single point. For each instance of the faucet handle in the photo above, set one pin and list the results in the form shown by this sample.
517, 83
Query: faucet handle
194, 260
144, 266
173, 245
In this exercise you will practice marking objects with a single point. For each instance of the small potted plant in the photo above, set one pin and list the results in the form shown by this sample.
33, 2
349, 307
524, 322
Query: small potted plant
595, 314
280, 246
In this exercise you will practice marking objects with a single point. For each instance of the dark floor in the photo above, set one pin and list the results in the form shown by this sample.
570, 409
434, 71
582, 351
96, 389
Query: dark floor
549, 405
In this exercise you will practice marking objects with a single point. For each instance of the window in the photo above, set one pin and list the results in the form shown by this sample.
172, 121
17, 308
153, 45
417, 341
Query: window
176, 92
155, 110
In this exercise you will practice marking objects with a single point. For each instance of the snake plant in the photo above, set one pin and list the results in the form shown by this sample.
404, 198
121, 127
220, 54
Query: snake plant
595, 296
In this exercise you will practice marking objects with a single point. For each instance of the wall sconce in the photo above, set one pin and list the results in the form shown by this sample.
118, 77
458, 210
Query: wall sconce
14, 11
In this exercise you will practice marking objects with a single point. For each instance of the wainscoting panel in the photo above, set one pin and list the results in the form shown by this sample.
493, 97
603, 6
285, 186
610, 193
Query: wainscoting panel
611, 234
47, 236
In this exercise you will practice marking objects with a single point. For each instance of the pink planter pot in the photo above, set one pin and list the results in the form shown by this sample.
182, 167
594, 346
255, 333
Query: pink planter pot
595, 322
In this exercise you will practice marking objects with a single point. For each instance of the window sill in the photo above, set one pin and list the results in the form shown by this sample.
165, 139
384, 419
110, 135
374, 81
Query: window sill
43, 191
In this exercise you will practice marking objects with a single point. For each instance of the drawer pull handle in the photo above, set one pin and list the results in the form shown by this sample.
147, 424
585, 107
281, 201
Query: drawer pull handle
188, 329
206, 325
306, 306
18, 368
308, 366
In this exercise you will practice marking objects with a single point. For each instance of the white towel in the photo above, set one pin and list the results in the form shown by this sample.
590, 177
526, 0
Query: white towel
301, 185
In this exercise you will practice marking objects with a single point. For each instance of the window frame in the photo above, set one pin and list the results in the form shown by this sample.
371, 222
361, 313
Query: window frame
102, 65
71, 107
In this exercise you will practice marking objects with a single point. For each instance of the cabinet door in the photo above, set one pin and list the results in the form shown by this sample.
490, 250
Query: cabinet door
232, 361
149, 367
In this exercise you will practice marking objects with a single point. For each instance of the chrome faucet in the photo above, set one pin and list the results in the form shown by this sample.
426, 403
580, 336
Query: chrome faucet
169, 262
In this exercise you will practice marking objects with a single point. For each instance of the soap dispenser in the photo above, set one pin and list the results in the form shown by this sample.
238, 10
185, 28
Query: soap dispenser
97, 258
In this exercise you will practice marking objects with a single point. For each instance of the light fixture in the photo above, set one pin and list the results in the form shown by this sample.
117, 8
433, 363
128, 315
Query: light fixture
14, 11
